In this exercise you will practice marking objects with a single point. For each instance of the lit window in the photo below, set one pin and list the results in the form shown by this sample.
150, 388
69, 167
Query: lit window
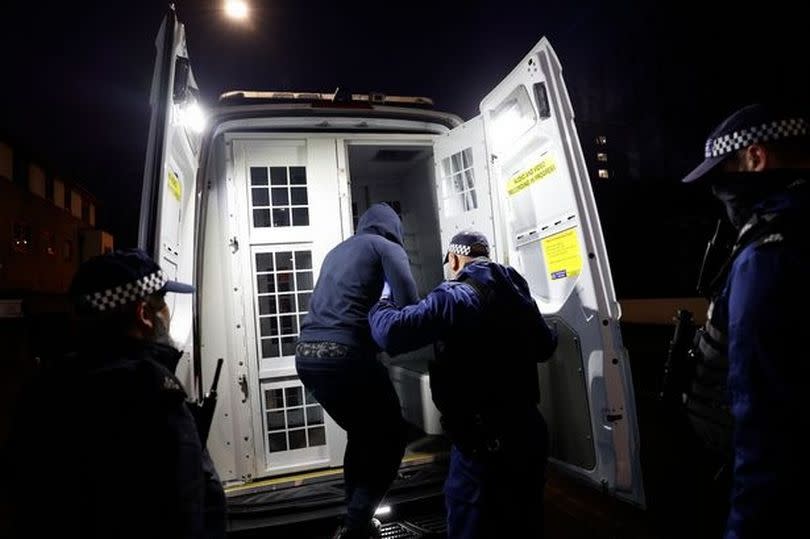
280, 198
601, 140
458, 184
602, 157
603, 173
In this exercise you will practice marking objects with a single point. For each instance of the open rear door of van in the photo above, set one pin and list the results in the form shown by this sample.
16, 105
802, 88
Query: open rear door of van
549, 230
462, 182
166, 229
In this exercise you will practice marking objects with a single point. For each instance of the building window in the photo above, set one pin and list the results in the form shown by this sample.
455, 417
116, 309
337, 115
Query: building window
603, 173
284, 284
601, 157
21, 241
458, 184
293, 419
59, 194
278, 196
601, 140
76, 205
67, 251
36, 180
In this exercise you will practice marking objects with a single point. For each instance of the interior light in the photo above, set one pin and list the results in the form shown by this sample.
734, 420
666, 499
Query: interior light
508, 124
193, 116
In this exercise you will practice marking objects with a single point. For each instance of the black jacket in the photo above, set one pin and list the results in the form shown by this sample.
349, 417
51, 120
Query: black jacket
106, 446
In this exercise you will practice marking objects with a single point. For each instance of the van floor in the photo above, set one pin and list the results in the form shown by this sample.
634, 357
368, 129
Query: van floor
311, 505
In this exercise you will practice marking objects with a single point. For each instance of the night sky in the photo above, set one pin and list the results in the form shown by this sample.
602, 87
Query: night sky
76, 75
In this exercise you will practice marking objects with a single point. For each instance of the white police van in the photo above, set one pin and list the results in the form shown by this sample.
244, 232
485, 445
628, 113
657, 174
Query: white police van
247, 206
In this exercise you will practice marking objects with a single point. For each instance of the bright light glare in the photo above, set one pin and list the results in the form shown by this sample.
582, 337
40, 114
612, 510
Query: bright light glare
193, 117
382, 510
236, 9
508, 125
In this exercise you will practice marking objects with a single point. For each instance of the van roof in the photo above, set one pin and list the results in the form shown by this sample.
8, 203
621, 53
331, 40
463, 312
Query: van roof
338, 98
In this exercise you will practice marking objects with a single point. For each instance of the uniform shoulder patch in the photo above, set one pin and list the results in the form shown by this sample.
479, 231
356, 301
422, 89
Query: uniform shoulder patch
170, 384
771, 238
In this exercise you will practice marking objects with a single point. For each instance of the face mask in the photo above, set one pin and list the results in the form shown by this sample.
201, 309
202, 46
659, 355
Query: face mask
738, 203
740, 192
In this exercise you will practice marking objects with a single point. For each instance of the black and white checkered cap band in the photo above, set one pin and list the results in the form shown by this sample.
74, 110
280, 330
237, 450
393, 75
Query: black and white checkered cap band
715, 147
458, 249
121, 295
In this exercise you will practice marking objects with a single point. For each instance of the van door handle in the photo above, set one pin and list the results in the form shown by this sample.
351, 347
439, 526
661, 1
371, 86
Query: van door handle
243, 385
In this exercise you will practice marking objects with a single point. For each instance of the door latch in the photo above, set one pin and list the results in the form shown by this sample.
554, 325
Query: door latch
243, 385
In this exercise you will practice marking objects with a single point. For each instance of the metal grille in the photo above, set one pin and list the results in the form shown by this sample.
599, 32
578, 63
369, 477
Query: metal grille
395, 530
430, 523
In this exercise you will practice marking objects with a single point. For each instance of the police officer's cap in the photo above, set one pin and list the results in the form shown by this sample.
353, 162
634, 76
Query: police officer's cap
468, 243
120, 277
750, 125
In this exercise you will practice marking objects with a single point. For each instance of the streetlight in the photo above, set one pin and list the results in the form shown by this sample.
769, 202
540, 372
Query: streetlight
236, 9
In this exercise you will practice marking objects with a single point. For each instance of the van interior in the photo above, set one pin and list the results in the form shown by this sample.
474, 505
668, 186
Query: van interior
403, 177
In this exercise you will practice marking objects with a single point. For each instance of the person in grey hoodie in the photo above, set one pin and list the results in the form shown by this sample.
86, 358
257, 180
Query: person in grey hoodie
336, 360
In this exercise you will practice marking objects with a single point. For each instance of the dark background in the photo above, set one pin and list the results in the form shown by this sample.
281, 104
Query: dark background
654, 76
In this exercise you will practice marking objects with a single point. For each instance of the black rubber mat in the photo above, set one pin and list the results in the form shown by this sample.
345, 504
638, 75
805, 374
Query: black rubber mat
323, 500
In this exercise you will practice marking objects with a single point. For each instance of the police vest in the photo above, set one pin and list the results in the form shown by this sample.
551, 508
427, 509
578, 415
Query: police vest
483, 376
707, 400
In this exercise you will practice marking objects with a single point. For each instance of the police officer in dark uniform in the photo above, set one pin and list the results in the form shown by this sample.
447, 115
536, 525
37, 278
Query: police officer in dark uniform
746, 398
108, 446
489, 337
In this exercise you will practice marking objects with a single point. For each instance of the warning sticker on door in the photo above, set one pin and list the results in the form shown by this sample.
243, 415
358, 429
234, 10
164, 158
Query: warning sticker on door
562, 254
175, 186
534, 174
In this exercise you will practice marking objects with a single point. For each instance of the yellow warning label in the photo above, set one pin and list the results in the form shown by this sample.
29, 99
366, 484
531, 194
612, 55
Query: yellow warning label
175, 186
524, 179
562, 254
